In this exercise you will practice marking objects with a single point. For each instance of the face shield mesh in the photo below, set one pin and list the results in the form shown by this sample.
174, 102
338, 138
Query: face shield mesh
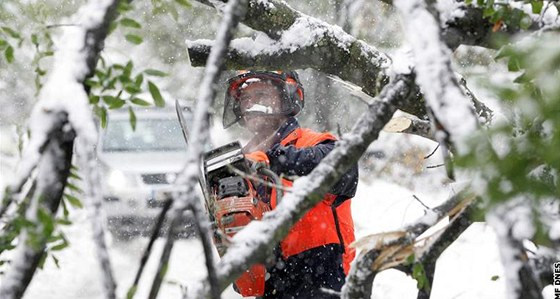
233, 98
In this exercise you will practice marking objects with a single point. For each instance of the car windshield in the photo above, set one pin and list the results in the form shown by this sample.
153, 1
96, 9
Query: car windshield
154, 134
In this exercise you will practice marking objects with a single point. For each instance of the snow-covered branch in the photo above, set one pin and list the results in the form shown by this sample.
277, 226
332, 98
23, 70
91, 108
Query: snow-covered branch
308, 43
464, 24
513, 223
252, 244
53, 168
294, 40
64, 97
444, 97
435, 246
388, 250
234, 12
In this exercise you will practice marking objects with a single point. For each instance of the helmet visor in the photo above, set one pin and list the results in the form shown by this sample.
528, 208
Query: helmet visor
237, 104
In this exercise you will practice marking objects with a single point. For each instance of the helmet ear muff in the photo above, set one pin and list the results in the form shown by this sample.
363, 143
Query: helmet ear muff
295, 93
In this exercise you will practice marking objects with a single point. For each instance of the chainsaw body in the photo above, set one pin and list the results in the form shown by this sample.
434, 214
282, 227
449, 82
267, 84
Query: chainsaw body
233, 204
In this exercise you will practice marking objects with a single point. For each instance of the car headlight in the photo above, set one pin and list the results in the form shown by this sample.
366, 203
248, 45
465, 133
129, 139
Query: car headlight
119, 180
170, 177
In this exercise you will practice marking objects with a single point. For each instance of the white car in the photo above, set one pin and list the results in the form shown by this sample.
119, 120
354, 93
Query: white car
139, 168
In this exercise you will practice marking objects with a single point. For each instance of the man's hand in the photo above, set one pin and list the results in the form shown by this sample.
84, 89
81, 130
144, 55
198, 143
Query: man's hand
258, 159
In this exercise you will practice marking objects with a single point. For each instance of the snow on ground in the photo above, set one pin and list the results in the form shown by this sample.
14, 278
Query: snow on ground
465, 270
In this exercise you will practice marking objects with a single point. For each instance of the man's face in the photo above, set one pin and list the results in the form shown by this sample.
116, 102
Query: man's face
256, 101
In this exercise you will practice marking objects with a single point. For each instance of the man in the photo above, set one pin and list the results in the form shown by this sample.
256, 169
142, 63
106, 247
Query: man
315, 253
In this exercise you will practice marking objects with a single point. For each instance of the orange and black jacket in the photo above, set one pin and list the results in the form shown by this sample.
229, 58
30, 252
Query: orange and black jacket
318, 242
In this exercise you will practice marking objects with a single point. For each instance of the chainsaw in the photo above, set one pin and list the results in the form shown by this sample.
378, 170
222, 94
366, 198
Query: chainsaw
229, 182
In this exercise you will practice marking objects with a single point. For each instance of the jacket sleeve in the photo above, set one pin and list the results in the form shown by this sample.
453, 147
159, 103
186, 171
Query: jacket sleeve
289, 160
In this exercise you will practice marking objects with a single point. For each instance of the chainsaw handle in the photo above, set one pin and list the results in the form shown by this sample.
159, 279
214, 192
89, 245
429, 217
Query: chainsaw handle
275, 179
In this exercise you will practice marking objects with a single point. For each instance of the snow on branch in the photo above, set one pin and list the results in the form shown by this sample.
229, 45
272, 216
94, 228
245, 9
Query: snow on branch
233, 13
308, 42
450, 106
464, 24
53, 168
252, 244
64, 95
513, 223
387, 250
428, 254
295, 41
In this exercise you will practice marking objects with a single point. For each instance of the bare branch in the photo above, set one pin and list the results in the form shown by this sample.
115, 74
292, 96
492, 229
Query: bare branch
148, 251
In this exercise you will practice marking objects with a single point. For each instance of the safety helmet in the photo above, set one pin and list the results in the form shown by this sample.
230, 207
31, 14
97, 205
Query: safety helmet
287, 83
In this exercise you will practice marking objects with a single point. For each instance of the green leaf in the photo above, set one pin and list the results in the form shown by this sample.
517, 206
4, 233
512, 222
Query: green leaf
103, 117
9, 53
132, 89
11, 32
525, 22
140, 102
537, 6
156, 95
74, 201
93, 99
184, 3
75, 176
134, 39
100, 74
55, 260
128, 68
118, 103
3, 44
127, 22
46, 220
132, 118
40, 71
138, 80
523, 78
109, 100
35, 39
125, 78
64, 209
63, 221
90, 82
118, 66
111, 84
41, 263
74, 188
131, 292
419, 274
409, 260
513, 64
123, 7
156, 73
495, 277
62, 245
59, 246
